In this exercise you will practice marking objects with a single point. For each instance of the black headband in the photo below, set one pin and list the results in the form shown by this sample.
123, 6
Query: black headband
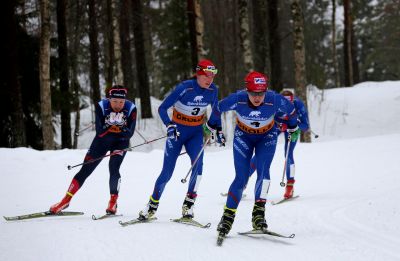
118, 93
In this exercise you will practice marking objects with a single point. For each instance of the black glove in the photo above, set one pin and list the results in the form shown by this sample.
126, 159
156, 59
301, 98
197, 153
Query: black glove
172, 131
220, 137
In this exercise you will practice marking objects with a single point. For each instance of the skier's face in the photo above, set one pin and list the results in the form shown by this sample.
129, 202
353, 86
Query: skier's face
256, 98
117, 104
205, 81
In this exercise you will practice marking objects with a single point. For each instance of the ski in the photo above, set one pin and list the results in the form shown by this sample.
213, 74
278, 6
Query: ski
94, 217
136, 221
190, 222
220, 239
264, 232
284, 200
43, 214
226, 194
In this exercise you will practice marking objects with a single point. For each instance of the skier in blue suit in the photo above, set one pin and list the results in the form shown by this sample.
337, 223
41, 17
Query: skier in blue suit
189, 100
304, 125
256, 131
115, 125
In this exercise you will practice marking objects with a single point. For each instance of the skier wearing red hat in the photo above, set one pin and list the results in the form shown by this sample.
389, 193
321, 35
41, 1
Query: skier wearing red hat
189, 101
255, 132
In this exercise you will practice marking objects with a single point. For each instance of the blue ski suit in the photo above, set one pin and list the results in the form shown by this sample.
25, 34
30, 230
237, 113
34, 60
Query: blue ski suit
189, 102
304, 125
255, 131
109, 138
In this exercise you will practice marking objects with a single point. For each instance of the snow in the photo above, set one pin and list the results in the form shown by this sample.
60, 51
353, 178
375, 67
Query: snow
348, 182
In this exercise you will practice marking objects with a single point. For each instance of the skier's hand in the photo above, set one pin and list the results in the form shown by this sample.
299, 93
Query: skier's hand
114, 129
208, 130
172, 131
294, 133
282, 127
220, 137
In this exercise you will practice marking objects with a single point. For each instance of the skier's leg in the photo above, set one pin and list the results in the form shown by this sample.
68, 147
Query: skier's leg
115, 177
97, 149
193, 147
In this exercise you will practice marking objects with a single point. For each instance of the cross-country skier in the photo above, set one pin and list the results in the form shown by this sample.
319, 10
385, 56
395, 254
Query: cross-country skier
304, 125
256, 131
189, 101
115, 125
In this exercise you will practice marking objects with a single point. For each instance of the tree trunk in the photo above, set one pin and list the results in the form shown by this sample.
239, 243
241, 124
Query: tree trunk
94, 53
245, 36
126, 56
275, 46
75, 35
196, 30
348, 63
13, 127
141, 67
64, 79
44, 65
334, 52
261, 46
117, 44
110, 46
299, 57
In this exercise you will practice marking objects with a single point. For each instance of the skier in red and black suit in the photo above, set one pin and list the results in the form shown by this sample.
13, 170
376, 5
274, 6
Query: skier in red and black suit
115, 125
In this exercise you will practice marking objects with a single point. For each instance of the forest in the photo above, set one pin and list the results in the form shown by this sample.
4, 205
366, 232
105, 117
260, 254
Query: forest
60, 56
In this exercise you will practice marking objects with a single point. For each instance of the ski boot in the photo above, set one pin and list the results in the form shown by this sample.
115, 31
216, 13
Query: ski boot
289, 189
64, 203
258, 216
226, 222
188, 206
150, 209
112, 205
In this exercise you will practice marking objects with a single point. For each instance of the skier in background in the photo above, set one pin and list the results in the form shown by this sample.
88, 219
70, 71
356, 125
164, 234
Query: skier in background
189, 100
304, 125
255, 131
115, 125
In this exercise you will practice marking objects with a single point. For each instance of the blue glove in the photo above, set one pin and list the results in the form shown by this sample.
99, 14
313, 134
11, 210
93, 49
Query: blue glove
172, 131
294, 133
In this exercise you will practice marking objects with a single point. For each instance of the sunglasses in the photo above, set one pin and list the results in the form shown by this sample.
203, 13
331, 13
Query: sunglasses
256, 93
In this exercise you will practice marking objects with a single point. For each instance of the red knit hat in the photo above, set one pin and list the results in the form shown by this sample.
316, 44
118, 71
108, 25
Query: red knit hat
256, 82
206, 67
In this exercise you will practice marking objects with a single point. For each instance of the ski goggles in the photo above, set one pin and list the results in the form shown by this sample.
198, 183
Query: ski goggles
259, 94
207, 72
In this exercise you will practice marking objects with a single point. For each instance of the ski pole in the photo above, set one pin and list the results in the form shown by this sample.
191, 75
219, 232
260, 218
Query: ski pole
113, 153
141, 135
86, 128
183, 153
195, 161
315, 135
286, 160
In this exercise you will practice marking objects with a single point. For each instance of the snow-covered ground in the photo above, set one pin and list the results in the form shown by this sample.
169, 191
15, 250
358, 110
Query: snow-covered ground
348, 182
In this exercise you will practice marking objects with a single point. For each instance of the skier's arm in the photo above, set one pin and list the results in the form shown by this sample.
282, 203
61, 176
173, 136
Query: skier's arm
129, 129
286, 111
101, 127
302, 113
179, 91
